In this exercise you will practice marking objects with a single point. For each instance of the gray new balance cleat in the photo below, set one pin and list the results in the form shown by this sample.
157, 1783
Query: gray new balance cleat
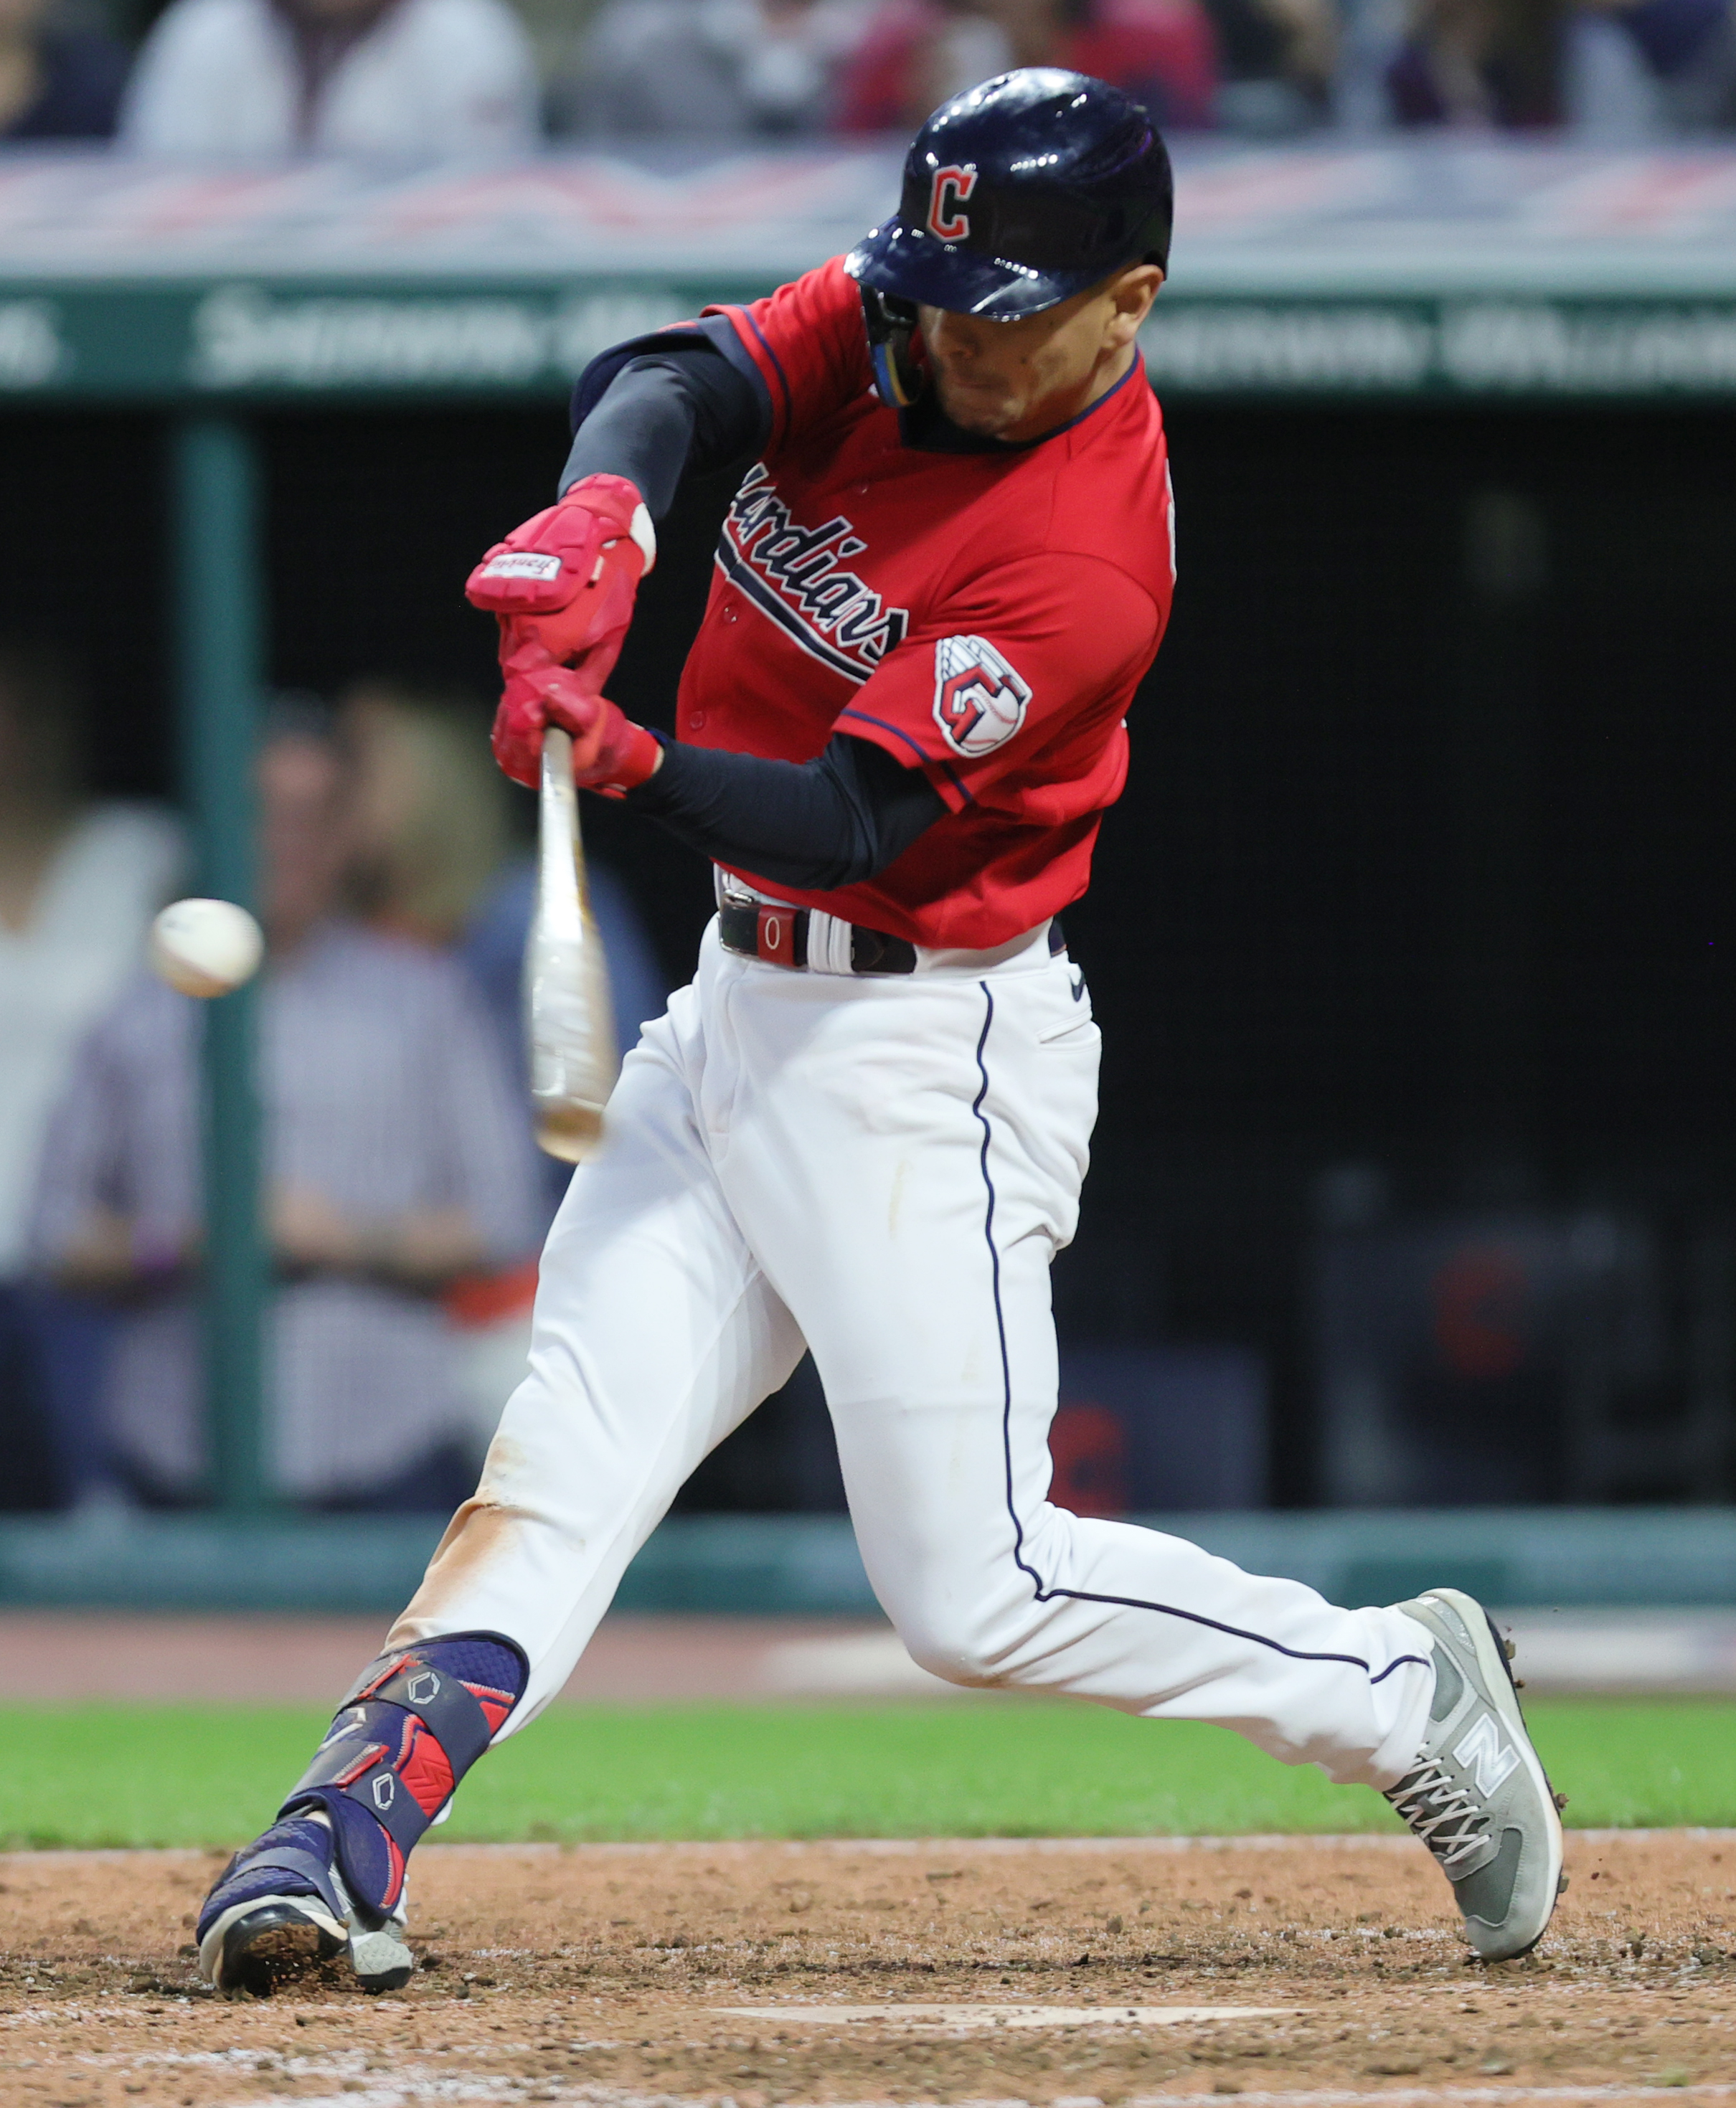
1476, 1794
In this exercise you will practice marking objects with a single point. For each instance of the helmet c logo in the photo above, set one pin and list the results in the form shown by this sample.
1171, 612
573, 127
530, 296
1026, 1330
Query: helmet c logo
952, 189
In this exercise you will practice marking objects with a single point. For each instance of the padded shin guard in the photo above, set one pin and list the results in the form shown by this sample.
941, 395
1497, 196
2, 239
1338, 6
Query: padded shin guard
417, 1720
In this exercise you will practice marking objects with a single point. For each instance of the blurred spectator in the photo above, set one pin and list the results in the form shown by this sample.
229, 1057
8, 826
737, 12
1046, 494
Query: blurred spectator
434, 818
1368, 34
425, 79
1647, 68
437, 864
1479, 65
78, 883
436, 858
722, 70
918, 52
397, 1160
1278, 59
56, 81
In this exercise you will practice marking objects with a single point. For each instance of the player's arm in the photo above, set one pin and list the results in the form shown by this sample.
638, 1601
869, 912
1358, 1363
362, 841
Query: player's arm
833, 820
704, 394
837, 820
684, 407
714, 392
562, 586
948, 715
1018, 680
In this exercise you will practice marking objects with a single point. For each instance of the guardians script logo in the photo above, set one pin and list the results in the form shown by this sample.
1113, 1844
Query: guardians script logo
796, 575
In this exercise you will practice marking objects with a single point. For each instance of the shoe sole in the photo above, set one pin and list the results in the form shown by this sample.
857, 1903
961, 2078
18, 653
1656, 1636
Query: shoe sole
268, 1941
1495, 1670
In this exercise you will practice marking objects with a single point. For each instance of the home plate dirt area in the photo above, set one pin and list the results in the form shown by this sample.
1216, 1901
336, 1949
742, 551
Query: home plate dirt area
1306, 1971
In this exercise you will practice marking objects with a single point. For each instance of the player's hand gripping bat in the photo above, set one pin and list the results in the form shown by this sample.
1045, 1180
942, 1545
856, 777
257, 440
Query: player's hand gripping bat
573, 1061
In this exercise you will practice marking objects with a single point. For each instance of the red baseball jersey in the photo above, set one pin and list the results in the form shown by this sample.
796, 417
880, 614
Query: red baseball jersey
983, 616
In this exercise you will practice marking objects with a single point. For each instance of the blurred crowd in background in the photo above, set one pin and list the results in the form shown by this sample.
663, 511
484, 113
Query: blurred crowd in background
417, 79
405, 1199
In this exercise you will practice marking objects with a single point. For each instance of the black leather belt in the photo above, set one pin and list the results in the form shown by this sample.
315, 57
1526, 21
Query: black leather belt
761, 930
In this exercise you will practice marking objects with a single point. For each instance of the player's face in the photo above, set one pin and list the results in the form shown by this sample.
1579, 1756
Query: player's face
1018, 380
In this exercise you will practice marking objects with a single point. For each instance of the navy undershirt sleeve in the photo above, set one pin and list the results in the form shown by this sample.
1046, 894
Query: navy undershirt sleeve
663, 408
835, 821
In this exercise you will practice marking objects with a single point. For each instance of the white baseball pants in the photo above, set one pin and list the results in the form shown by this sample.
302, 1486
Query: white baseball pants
881, 1168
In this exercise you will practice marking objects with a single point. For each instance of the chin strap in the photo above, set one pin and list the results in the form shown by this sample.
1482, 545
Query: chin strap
417, 1720
891, 327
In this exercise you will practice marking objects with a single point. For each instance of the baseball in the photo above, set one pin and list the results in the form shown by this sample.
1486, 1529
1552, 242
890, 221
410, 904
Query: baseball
206, 947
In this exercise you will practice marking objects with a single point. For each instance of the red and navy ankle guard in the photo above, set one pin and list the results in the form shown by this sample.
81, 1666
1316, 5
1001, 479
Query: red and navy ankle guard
417, 1720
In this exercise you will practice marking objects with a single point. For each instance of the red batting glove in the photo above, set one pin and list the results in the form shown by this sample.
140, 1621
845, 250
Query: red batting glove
565, 581
611, 753
517, 737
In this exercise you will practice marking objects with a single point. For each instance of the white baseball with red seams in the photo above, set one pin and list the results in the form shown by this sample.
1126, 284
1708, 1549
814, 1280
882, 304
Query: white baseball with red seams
206, 947
918, 1141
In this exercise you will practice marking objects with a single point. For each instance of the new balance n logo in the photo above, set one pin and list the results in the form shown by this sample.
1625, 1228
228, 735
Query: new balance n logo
1487, 1756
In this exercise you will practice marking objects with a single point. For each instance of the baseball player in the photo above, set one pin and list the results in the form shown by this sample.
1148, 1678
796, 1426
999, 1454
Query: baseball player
863, 1128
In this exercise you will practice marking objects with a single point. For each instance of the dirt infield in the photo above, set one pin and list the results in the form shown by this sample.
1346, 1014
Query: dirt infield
606, 1973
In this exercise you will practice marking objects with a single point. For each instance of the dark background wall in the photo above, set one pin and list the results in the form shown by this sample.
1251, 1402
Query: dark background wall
1423, 864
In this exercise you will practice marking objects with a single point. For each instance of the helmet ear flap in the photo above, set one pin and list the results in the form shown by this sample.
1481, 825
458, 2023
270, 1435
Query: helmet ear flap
891, 324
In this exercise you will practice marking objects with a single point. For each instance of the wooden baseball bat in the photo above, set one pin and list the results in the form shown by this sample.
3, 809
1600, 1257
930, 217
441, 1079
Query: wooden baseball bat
570, 1022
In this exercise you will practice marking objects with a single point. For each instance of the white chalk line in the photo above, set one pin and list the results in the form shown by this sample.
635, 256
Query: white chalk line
419, 2082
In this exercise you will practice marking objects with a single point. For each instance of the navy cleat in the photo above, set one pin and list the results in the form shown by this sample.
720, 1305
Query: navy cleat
280, 1908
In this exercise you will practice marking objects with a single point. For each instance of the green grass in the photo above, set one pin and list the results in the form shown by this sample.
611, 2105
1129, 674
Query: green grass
92, 1775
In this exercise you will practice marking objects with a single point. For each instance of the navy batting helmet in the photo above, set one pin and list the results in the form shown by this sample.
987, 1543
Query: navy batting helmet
1019, 194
